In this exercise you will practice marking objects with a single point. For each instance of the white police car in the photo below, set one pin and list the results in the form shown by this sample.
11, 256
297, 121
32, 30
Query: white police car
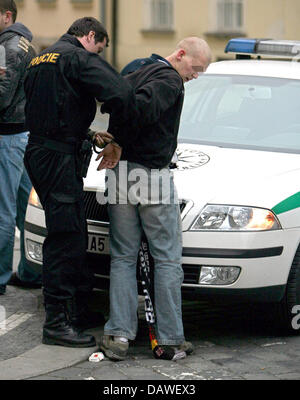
238, 175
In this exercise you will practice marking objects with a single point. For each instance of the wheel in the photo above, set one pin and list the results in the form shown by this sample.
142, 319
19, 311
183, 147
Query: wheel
286, 309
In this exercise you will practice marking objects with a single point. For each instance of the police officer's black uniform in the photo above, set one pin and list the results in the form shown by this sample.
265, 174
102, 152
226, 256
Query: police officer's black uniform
61, 87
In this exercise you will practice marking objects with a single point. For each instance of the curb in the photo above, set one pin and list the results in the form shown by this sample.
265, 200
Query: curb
44, 359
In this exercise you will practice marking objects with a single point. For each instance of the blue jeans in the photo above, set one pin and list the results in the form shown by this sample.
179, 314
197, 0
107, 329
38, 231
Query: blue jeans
162, 226
14, 193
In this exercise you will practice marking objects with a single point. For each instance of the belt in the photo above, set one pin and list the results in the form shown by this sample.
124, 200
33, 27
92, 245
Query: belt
55, 145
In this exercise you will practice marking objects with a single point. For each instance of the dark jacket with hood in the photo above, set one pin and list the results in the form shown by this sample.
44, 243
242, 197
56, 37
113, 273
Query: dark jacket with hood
19, 52
152, 138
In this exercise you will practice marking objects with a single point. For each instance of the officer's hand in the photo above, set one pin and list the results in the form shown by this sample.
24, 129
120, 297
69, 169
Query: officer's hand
102, 138
2, 71
111, 156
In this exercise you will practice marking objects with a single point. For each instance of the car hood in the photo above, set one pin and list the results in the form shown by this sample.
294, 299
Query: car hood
211, 174
235, 176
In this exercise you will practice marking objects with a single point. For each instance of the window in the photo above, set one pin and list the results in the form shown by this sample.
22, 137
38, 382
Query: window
158, 14
242, 111
230, 15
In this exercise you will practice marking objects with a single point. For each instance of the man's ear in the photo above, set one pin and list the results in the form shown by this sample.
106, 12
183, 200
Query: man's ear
180, 53
90, 36
8, 17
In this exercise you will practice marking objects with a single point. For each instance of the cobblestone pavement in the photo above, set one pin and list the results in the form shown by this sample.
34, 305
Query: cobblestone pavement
24, 317
227, 347
230, 344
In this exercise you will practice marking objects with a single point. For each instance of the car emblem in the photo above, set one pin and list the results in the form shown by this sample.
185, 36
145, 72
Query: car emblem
189, 158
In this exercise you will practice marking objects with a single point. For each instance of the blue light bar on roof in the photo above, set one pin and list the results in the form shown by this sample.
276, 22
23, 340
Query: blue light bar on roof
279, 48
241, 45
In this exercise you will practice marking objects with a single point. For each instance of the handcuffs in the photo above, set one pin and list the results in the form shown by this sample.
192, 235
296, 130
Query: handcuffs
91, 135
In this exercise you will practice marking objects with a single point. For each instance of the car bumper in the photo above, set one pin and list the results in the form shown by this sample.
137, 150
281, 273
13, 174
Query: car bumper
264, 258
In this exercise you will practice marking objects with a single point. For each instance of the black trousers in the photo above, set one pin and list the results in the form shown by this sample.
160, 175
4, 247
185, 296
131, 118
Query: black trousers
53, 175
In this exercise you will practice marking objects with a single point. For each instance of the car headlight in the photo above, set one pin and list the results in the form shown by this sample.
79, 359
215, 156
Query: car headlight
235, 218
35, 250
34, 199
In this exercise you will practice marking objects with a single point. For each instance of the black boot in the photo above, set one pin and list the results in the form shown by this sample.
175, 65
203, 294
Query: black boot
58, 329
81, 316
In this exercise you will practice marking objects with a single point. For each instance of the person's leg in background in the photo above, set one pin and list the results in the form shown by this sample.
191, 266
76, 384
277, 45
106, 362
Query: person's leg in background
25, 273
11, 168
25, 276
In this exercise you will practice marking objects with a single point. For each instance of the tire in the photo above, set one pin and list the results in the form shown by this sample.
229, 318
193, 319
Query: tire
286, 319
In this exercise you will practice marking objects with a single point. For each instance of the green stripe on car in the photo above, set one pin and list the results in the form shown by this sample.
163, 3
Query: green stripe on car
288, 204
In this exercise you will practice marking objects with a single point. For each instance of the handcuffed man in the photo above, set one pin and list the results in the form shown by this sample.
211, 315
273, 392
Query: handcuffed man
148, 146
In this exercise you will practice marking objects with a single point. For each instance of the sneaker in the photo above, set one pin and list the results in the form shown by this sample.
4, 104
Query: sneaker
2, 289
16, 281
187, 347
181, 351
114, 350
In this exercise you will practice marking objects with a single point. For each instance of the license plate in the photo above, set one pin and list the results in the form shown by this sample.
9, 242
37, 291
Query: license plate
98, 244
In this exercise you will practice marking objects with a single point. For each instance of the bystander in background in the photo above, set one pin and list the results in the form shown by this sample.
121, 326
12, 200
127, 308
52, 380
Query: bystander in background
15, 40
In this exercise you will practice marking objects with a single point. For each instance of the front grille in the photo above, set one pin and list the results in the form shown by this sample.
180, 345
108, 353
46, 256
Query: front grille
191, 273
93, 210
98, 212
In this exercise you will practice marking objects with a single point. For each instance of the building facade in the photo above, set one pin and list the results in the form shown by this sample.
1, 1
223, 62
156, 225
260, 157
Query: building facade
139, 27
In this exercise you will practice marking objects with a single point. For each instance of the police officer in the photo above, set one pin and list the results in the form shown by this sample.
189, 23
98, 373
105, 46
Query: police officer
61, 87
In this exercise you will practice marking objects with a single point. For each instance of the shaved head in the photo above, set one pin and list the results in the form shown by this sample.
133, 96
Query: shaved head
191, 56
194, 46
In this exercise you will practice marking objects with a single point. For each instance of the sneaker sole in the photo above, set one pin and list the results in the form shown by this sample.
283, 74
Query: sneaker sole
58, 342
179, 356
111, 355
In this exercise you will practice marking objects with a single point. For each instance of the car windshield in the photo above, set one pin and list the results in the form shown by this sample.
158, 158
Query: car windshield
242, 111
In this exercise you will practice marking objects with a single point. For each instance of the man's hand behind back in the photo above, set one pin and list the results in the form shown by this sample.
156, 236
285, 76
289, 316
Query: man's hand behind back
102, 138
111, 156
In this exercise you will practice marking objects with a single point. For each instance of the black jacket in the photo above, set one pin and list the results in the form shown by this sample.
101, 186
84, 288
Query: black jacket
152, 140
61, 87
19, 52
